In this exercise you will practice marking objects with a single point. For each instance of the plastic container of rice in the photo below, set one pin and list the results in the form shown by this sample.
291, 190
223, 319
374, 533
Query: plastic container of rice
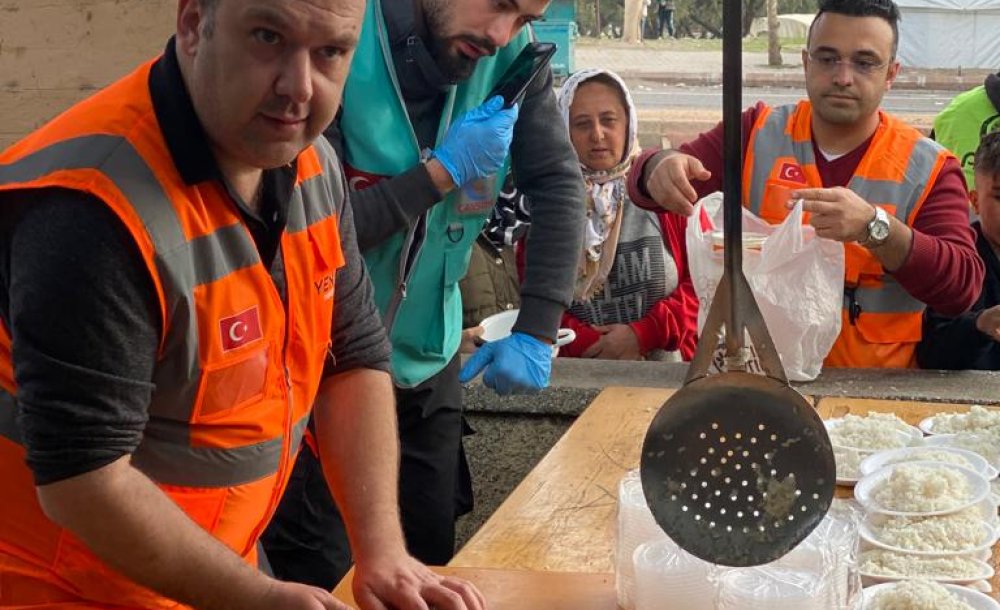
925, 453
977, 419
961, 533
876, 432
878, 565
925, 595
917, 489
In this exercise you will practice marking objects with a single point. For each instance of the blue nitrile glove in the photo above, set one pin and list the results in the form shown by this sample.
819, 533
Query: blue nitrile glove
477, 143
518, 364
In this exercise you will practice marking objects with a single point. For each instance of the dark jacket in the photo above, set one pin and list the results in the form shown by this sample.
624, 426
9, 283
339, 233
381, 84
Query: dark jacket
956, 343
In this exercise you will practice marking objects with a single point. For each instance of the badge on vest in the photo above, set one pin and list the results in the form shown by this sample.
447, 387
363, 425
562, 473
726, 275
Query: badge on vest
241, 329
476, 197
358, 180
792, 172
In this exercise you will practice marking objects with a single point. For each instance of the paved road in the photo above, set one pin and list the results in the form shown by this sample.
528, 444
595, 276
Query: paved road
651, 95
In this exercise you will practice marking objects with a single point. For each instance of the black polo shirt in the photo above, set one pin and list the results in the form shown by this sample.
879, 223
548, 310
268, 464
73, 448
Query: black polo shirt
84, 315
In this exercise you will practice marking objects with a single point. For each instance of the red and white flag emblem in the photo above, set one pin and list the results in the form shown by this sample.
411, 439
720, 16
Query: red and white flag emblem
792, 173
240, 330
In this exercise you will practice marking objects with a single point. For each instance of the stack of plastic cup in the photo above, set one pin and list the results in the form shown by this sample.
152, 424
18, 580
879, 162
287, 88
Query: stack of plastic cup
769, 588
635, 527
668, 577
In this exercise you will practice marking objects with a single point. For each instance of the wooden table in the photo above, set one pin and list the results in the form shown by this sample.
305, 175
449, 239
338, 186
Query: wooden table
523, 590
562, 516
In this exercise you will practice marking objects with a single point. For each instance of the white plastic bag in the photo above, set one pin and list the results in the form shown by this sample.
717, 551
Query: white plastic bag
796, 277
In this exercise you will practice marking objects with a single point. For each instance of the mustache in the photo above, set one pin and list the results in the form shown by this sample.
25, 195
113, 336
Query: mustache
284, 107
842, 92
482, 43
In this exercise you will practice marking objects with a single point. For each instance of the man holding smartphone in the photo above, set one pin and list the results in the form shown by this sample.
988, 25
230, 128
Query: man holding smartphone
425, 153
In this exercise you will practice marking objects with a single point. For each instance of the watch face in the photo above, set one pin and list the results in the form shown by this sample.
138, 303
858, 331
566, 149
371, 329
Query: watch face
879, 231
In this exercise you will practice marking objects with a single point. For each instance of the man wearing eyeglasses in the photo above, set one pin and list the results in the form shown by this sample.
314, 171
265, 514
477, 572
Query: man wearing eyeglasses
896, 199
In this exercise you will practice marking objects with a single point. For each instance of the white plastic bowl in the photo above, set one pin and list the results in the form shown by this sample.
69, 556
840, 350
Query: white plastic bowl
952, 440
985, 573
883, 458
499, 325
864, 491
975, 599
868, 529
912, 435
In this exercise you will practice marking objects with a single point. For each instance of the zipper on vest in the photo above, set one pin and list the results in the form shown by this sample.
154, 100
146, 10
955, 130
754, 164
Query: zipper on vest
286, 458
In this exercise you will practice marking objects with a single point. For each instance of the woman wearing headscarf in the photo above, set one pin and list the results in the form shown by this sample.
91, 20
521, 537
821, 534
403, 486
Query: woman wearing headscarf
634, 298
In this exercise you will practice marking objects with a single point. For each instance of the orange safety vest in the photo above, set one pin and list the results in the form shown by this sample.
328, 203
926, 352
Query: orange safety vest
881, 322
235, 376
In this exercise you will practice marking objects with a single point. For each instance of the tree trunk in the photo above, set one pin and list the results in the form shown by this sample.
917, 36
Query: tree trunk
597, 16
773, 45
631, 19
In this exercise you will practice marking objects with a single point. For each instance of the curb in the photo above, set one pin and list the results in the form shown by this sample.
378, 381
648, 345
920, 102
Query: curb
912, 81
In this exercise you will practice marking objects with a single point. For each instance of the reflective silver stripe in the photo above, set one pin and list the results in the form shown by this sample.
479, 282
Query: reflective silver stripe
770, 143
8, 415
314, 200
903, 195
891, 297
167, 458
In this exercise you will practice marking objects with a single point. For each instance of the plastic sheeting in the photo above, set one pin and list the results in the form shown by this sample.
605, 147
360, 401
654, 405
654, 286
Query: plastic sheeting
950, 33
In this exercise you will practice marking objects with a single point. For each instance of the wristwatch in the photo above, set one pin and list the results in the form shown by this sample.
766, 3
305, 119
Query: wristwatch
878, 229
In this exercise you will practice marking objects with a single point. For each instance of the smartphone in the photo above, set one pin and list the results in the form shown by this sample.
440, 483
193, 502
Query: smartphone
532, 59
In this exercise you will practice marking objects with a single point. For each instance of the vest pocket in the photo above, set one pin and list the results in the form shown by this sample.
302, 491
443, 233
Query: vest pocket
231, 385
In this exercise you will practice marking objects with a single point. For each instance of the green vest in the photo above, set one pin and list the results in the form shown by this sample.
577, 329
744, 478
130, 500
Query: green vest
416, 273
958, 127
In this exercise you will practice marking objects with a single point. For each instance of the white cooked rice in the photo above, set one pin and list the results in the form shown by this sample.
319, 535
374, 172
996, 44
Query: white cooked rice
917, 595
848, 461
960, 531
875, 432
913, 488
977, 419
897, 565
930, 454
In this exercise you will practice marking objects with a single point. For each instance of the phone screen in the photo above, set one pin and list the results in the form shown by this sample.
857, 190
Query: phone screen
525, 67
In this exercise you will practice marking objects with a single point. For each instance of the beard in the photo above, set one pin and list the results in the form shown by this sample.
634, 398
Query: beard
455, 65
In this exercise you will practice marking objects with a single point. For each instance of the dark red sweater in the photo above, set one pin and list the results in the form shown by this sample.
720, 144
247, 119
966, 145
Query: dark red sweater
943, 269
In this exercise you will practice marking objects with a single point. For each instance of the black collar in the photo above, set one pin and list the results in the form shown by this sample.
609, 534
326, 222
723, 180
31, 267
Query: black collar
186, 138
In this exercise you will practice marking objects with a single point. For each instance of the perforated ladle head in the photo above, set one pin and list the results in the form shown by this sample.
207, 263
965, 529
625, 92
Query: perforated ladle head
737, 468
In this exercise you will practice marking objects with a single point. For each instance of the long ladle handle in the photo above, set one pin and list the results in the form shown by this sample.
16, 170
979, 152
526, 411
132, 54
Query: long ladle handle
733, 295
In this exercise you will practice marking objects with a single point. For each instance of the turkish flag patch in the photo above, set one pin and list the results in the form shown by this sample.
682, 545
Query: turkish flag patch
241, 329
792, 172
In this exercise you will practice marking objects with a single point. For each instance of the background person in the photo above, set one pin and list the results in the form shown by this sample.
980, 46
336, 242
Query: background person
426, 157
633, 297
177, 265
896, 200
966, 119
972, 340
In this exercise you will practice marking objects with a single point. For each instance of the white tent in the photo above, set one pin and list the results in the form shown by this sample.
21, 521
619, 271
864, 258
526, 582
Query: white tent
792, 25
950, 33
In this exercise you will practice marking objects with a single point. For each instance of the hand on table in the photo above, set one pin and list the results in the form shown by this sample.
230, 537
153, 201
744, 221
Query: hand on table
295, 596
669, 182
837, 213
617, 342
400, 582
988, 322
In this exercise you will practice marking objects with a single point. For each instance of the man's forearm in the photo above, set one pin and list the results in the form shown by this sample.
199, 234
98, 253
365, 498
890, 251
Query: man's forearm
355, 419
391, 205
893, 253
134, 527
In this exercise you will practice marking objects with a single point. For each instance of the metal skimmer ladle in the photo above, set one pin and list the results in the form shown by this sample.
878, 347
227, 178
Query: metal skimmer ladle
737, 468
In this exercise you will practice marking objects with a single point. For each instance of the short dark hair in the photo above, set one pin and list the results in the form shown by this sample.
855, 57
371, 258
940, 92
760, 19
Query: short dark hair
885, 9
988, 154
208, 9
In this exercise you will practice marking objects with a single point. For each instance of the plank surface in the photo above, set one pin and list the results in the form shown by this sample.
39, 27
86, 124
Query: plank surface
910, 412
522, 590
561, 517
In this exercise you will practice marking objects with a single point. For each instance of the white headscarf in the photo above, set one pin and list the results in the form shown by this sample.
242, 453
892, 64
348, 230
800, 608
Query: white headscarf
606, 191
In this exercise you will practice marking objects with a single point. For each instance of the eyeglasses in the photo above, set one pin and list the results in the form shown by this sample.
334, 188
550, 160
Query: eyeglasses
829, 62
